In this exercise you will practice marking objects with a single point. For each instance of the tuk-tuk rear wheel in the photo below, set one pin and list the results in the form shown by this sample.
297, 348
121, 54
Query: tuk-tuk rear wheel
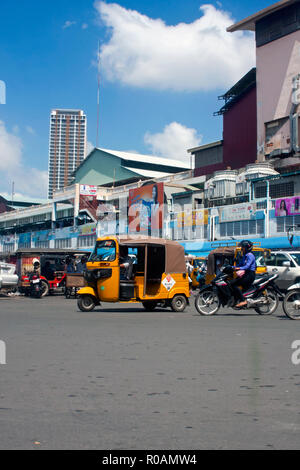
178, 303
86, 303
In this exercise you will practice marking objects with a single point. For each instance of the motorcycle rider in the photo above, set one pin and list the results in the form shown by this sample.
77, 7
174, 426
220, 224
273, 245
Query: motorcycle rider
36, 266
245, 272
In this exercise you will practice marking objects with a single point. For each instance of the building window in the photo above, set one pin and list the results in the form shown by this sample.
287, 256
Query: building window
44, 244
276, 190
284, 223
241, 228
87, 241
8, 247
63, 243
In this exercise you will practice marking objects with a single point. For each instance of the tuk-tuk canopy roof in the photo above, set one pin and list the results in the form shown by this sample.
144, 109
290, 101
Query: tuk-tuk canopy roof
222, 251
175, 259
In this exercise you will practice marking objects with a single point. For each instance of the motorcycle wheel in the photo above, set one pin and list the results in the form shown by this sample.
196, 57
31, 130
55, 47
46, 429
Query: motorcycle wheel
44, 288
86, 303
272, 304
207, 302
290, 307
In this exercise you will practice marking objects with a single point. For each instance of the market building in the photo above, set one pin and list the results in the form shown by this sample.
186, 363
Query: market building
246, 185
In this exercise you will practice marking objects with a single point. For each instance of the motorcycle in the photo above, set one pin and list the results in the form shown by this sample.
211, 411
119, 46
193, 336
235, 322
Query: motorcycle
36, 288
263, 295
291, 302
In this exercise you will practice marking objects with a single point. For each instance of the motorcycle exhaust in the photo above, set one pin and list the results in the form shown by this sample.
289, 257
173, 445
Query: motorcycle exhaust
253, 303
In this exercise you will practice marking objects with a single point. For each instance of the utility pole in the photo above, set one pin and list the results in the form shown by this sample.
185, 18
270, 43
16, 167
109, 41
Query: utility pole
12, 191
98, 96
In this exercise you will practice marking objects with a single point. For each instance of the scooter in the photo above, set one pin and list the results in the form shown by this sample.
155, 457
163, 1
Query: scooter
36, 289
291, 302
262, 296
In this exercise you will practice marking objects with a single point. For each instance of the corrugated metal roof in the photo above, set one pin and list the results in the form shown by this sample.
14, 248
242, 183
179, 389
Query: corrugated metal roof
148, 173
136, 157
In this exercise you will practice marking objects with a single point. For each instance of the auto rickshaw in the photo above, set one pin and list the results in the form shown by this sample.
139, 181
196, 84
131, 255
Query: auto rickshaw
53, 279
197, 262
231, 253
158, 275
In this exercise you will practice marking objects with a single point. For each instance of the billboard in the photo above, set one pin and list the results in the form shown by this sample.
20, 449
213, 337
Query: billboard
287, 206
146, 208
237, 212
194, 218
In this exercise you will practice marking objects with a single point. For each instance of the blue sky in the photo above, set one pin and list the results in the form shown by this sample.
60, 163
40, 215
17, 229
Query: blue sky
47, 55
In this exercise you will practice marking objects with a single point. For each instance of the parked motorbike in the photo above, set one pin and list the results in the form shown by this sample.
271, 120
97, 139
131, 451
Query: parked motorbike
36, 288
263, 295
291, 302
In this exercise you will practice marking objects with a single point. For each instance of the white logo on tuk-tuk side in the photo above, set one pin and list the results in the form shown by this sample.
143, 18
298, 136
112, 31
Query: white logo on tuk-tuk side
168, 282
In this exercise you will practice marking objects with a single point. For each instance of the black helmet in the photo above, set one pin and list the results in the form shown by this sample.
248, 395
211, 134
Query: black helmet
247, 244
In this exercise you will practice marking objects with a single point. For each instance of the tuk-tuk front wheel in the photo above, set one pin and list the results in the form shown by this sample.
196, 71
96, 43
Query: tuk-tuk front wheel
86, 303
178, 303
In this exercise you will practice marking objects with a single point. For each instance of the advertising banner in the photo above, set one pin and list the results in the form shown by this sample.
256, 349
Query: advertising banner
88, 190
146, 208
194, 218
237, 212
88, 229
24, 238
41, 236
287, 206
27, 264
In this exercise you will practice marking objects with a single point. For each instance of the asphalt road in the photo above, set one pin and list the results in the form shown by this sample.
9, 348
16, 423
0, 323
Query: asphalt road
121, 378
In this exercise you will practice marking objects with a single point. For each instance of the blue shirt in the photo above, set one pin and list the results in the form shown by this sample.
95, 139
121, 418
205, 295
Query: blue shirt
248, 262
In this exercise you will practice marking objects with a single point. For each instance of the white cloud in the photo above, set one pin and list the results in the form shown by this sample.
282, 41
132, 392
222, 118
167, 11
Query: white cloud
173, 142
10, 149
202, 55
84, 26
68, 24
31, 182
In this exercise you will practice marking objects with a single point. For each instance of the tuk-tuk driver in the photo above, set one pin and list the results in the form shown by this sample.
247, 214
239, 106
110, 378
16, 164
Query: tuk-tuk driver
126, 265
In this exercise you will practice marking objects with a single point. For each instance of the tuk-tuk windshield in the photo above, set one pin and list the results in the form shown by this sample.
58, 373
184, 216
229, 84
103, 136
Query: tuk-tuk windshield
105, 250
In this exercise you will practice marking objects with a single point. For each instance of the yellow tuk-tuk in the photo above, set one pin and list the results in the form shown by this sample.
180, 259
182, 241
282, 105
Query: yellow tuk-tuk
196, 262
157, 275
230, 253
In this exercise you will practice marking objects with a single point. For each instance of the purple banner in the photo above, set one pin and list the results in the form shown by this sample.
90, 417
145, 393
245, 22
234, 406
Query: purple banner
287, 206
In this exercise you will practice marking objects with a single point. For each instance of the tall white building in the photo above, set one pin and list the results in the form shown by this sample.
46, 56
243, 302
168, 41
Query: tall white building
67, 146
